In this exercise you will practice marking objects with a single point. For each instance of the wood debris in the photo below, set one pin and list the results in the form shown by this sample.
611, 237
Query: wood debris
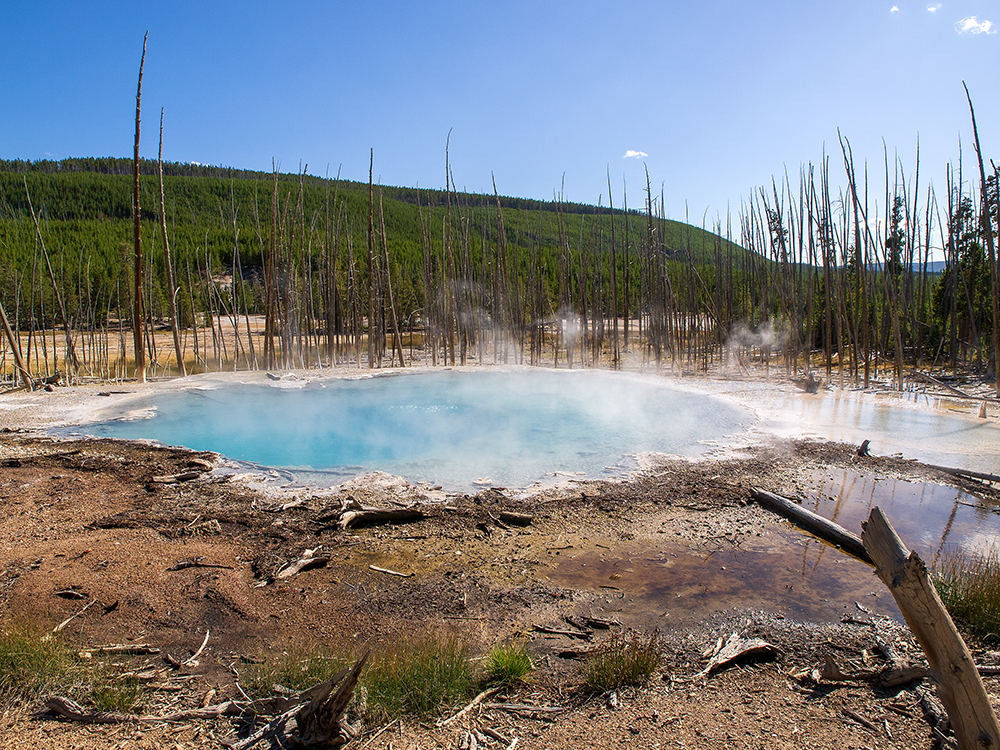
376, 516
737, 647
309, 560
197, 562
556, 631
377, 569
184, 476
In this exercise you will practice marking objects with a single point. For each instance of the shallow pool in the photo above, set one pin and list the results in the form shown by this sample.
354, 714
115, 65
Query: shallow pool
461, 430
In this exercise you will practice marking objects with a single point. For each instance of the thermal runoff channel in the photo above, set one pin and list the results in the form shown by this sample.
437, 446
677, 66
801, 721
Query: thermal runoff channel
456, 429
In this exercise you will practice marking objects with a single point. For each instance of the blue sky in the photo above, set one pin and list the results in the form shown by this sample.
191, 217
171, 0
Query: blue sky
718, 96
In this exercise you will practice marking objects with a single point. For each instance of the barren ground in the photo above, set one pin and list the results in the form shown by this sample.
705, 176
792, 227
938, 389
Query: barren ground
84, 517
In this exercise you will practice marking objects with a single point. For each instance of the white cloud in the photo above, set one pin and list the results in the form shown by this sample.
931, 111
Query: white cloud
972, 25
934, 7
630, 154
894, 9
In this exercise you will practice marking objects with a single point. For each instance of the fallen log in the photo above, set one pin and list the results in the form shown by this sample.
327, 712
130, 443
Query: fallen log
951, 389
515, 519
376, 516
184, 476
129, 649
959, 685
523, 708
823, 528
196, 563
965, 473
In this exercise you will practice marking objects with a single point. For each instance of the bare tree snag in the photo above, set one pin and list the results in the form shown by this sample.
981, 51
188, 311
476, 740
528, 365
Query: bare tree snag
137, 320
815, 524
987, 226
171, 290
321, 721
16, 349
959, 686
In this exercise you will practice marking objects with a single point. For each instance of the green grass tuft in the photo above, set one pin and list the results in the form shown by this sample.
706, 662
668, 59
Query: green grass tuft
418, 677
32, 662
626, 659
507, 664
110, 692
297, 668
969, 586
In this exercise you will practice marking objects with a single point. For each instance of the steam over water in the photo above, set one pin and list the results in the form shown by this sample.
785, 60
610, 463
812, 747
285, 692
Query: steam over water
457, 429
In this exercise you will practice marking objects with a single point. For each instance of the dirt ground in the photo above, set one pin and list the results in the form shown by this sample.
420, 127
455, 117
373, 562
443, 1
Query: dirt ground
85, 533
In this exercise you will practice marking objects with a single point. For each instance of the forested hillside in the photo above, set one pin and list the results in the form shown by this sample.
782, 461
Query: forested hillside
335, 246
307, 271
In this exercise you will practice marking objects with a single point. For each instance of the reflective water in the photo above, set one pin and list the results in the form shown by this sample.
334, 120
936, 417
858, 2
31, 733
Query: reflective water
931, 429
457, 429
650, 583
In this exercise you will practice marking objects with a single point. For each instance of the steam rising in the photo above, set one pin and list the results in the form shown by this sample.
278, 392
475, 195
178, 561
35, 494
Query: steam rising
768, 337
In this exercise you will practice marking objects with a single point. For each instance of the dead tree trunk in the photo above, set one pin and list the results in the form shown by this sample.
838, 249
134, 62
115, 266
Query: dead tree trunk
958, 683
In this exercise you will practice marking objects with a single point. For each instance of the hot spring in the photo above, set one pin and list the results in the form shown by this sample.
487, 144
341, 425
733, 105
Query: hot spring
461, 430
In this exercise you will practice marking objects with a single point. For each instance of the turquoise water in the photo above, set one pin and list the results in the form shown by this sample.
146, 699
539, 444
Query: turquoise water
457, 429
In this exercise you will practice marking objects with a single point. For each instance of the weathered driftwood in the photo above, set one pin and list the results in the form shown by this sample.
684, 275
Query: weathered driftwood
889, 677
737, 647
310, 560
568, 633
374, 516
62, 626
815, 524
959, 686
193, 660
855, 716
